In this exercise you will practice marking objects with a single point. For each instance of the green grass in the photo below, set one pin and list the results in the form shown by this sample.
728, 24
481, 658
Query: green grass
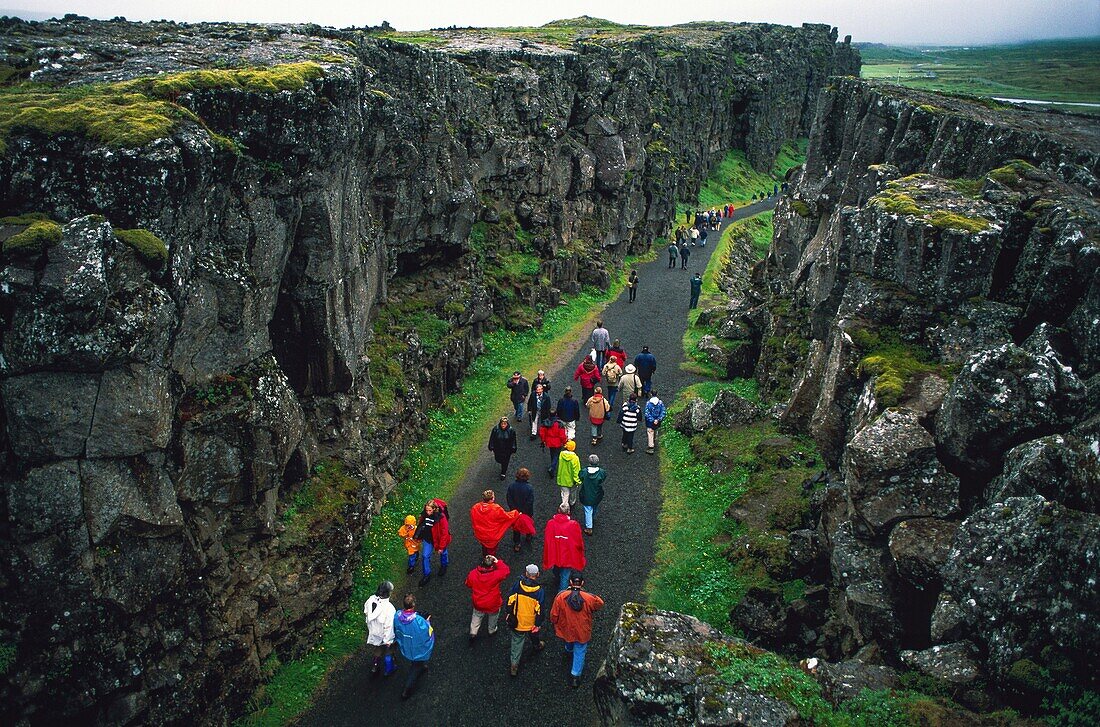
431, 469
133, 113
735, 181
1065, 70
320, 500
758, 229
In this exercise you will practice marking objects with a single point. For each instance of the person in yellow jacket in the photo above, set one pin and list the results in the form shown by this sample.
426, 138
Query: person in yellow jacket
569, 474
525, 615
412, 545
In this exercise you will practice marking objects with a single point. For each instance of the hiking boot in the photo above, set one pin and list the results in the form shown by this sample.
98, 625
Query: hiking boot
442, 570
425, 579
516, 548
594, 440
630, 451
587, 531
513, 669
574, 681
410, 569
473, 638
649, 450
502, 475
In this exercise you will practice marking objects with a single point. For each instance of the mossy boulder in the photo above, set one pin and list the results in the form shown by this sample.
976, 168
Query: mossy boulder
37, 236
150, 248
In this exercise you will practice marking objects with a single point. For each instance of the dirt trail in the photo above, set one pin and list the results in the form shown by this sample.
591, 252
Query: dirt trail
470, 685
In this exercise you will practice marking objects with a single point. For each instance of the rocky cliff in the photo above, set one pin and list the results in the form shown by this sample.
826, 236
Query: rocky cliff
929, 311
242, 260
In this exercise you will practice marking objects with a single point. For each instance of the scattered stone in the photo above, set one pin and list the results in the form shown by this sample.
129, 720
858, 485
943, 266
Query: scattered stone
844, 680
949, 664
948, 620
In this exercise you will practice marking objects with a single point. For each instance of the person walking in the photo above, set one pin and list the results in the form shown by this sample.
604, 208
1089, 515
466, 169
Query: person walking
612, 372
685, 252
617, 353
434, 534
416, 640
412, 545
518, 391
703, 237
630, 384
628, 420
484, 584
569, 411
541, 380
563, 546
693, 238
588, 375
502, 443
696, 289
646, 363
601, 341
591, 495
554, 437
597, 412
568, 474
521, 496
572, 614
525, 615
538, 408
654, 416
673, 251
632, 285
490, 522
379, 613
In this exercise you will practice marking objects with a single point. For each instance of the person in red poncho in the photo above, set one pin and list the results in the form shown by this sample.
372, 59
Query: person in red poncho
434, 533
563, 546
491, 521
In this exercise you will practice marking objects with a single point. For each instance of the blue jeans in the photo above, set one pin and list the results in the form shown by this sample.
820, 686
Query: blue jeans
518, 405
563, 577
589, 513
426, 552
611, 396
578, 650
412, 558
554, 452
601, 359
416, 668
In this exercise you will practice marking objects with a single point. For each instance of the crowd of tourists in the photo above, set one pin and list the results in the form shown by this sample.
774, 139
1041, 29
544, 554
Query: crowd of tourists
613, 389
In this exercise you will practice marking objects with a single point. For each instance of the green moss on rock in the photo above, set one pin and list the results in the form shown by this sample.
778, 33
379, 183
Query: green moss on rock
148, 246
37, 237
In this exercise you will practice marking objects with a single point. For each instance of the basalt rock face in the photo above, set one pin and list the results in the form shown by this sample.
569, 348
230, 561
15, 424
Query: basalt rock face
930, 303
162, 414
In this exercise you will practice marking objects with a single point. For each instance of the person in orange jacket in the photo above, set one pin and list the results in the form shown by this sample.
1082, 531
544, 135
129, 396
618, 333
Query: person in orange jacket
412, 545
572, 615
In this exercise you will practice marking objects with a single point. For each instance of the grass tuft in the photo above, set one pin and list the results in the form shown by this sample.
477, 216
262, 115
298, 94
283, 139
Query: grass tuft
38, 236
150, 248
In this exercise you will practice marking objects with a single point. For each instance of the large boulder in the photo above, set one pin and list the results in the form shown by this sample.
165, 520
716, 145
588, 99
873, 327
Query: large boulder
730, 410
892, 473
920, 547
951, 665
1025, 572
661, 670
1002, 397
845, 680
1062, 468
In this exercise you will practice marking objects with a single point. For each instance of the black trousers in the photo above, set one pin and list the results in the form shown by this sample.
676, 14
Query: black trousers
633, 294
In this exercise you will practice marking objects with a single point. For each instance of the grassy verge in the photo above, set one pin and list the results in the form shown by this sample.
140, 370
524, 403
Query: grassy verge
433, 468
757, 231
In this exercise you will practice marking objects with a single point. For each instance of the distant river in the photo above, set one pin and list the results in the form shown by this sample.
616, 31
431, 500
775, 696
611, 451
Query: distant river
1048, 103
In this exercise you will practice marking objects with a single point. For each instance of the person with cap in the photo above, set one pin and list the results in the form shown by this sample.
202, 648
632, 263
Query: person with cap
525, 615
589, 375
646, 364
407, 533
538, 408
569, 411
519, 389
379, 613
591, 490
612, 372
673, 251
568, 475
654, 416
484, 584
601, 341
490, 522
554, 437
572, 614
434, 533
502, 443
563, 546
696, 290
521, 496
416, 640
628, 420
630, 384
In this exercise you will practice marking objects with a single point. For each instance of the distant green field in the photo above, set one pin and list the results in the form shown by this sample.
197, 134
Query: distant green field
1065, 70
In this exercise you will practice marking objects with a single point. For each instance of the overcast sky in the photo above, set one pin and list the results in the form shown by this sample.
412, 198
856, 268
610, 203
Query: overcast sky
898, 21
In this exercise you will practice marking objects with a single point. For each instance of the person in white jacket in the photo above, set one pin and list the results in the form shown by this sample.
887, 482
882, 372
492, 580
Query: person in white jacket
379, 613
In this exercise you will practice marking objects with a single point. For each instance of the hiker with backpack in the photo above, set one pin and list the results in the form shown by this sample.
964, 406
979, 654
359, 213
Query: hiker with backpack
379, 613
416, 640
524, 616
630, 384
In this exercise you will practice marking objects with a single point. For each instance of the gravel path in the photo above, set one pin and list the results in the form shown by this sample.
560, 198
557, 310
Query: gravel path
470, 685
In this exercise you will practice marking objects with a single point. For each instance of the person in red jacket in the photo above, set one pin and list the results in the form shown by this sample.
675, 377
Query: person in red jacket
589, 375
434, 534
484, 584
490, 522
563, 546
553, 436
618, 353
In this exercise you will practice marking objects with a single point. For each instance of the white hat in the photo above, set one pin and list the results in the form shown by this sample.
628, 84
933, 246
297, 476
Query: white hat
630, 368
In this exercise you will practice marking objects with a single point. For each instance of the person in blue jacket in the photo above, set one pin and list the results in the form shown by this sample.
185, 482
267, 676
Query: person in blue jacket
646, 364
569, 411
415, 639
654, 415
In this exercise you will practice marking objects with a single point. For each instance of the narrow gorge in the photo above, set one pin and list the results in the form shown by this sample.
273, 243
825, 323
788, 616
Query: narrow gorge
241, 263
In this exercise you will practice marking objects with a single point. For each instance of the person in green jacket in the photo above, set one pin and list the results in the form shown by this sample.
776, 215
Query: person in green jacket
592, 479
569, 474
